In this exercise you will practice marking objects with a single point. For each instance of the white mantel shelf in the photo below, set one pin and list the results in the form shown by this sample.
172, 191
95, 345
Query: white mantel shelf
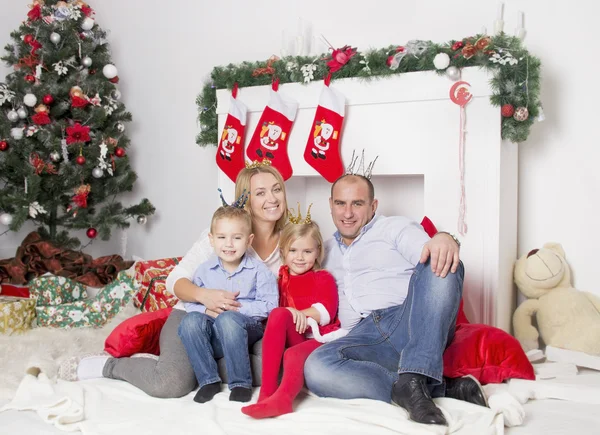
409, 121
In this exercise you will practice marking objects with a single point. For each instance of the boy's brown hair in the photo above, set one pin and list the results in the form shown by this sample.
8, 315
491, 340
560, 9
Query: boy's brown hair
229, 212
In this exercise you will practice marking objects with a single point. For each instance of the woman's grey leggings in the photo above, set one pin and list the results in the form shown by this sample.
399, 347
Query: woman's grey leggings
171, 376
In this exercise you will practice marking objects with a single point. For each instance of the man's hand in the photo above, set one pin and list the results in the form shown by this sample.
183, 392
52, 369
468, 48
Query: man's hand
299, 320
444, 254
220, 300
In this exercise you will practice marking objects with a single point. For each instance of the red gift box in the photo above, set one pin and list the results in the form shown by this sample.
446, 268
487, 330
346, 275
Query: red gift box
152, 294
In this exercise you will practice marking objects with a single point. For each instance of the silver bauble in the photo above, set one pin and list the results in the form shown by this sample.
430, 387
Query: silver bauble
54, 156
30, 100
6, 219
54, 38
120, 126
87, 23
142, 220
22, 113
453, 73
86, 61
115, 94
97, 173
16, 133
12, 116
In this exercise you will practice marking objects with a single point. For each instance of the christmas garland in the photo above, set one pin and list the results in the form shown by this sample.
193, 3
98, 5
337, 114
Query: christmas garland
515, 83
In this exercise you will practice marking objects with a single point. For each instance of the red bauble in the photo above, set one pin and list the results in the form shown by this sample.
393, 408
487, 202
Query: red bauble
3, 145
91, 233
28, 39
508, 110
30, 78
119, 152
80, 160
114, 80
48, 99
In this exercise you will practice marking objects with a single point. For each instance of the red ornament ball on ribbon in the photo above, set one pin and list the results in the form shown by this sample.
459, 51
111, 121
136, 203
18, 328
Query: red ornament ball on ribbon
48, 99
114, 80
120, 152
28, 39
30, 78
508, 110
91, 233
3, 145
80, 160
460, 93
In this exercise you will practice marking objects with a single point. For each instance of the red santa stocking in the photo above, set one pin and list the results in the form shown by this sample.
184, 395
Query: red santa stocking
322, 148
270, 138
230, 152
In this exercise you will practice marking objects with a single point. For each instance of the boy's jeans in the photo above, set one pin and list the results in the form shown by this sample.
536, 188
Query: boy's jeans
228, 336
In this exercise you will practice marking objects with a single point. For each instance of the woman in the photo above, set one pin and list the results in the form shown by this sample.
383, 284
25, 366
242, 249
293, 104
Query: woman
172, 374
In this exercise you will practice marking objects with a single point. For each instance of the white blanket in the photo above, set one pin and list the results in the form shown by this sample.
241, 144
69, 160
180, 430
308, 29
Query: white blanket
114, 407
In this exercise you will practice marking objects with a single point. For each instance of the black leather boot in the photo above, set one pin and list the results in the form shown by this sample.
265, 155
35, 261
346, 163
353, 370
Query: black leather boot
466, 388
411, 393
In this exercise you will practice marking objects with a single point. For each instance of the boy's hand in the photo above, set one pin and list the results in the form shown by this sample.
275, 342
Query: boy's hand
220, 300
299, 320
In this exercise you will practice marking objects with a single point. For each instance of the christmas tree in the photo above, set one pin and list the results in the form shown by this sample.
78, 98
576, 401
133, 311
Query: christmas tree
63, 147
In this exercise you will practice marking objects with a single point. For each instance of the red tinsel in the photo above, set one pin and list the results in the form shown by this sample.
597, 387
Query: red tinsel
30, 61
78, 101
340, 57
35, 13
78, 133
35, 46
41, 118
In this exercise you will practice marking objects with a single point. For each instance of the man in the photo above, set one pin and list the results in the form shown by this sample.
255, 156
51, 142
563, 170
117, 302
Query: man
399, 296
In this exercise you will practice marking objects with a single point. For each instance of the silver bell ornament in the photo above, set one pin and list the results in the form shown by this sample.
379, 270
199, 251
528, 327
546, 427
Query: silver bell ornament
120, 126
6, 219
97, 173
55, 38
453, 73
115, 94
12, 116
142, 220
22, 113
54, 156
86, 61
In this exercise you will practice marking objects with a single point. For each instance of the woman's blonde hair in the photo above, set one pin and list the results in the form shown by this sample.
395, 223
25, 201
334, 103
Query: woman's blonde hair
292, 232
242, 183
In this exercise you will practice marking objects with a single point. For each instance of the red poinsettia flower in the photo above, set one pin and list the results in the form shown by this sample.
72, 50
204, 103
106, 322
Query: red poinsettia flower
86, 10
340, 57
483, 42
41, 118
35, 13
78, 133
469, 51
78, 101
457, 45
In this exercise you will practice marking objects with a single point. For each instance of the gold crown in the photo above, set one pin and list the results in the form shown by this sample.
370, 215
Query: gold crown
298, 218
257, 163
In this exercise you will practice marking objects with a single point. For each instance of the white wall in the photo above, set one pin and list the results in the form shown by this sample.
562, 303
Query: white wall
163, 54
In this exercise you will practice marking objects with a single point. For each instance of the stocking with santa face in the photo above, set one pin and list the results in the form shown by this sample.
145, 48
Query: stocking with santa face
270, 138
323, 146
230, 152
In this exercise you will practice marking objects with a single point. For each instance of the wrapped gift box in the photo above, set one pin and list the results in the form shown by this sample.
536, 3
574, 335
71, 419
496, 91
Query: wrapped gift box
16, 314
152, 294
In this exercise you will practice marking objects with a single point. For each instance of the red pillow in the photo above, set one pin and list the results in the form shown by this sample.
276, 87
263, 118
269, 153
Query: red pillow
138, 334
14, 290
489, 354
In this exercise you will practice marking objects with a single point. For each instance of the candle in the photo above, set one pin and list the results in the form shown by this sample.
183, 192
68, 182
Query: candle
500, 15
499, 23
521, 20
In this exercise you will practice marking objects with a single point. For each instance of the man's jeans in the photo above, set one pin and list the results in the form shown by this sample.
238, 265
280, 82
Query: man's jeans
228, 336
408, 338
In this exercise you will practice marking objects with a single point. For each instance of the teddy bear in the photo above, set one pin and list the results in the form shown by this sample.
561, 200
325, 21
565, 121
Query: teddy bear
566, 317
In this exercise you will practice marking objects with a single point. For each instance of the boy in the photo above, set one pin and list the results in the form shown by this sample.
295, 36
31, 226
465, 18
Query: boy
207, 335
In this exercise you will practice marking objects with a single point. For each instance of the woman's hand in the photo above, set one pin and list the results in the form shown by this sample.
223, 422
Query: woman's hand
299, 320
211, 313
219, 301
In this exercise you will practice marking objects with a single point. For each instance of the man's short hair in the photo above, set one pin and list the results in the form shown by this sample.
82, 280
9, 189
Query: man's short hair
229, 212
357, 177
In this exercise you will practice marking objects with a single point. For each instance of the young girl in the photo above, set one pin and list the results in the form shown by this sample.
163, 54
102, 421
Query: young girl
305, 292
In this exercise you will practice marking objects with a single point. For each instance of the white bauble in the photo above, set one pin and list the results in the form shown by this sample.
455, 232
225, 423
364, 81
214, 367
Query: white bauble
30, 100
120, 127
87, 23
12, 116
6, 219
55, 38
453, 73
22, 113
16, 133
97, 173
110, 71
86, 61
441, 61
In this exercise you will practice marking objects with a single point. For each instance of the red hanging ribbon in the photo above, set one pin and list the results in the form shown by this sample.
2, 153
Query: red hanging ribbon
234, 91
328, 79
275, 84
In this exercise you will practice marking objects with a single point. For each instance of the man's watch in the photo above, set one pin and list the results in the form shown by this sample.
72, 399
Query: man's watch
451, 235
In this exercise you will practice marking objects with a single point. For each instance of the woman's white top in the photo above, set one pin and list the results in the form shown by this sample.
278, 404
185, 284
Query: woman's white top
200, 252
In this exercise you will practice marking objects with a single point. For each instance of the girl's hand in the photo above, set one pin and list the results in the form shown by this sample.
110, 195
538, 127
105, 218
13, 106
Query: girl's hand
299, 320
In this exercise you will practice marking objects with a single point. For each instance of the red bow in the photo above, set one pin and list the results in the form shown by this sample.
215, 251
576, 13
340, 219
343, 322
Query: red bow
340, 57
285, 298
268, 69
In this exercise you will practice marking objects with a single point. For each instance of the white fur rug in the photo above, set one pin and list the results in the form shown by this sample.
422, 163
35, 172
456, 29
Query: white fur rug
46, 348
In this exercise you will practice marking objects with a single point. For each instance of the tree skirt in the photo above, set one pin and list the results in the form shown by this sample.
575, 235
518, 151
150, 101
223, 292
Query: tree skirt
46, 348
